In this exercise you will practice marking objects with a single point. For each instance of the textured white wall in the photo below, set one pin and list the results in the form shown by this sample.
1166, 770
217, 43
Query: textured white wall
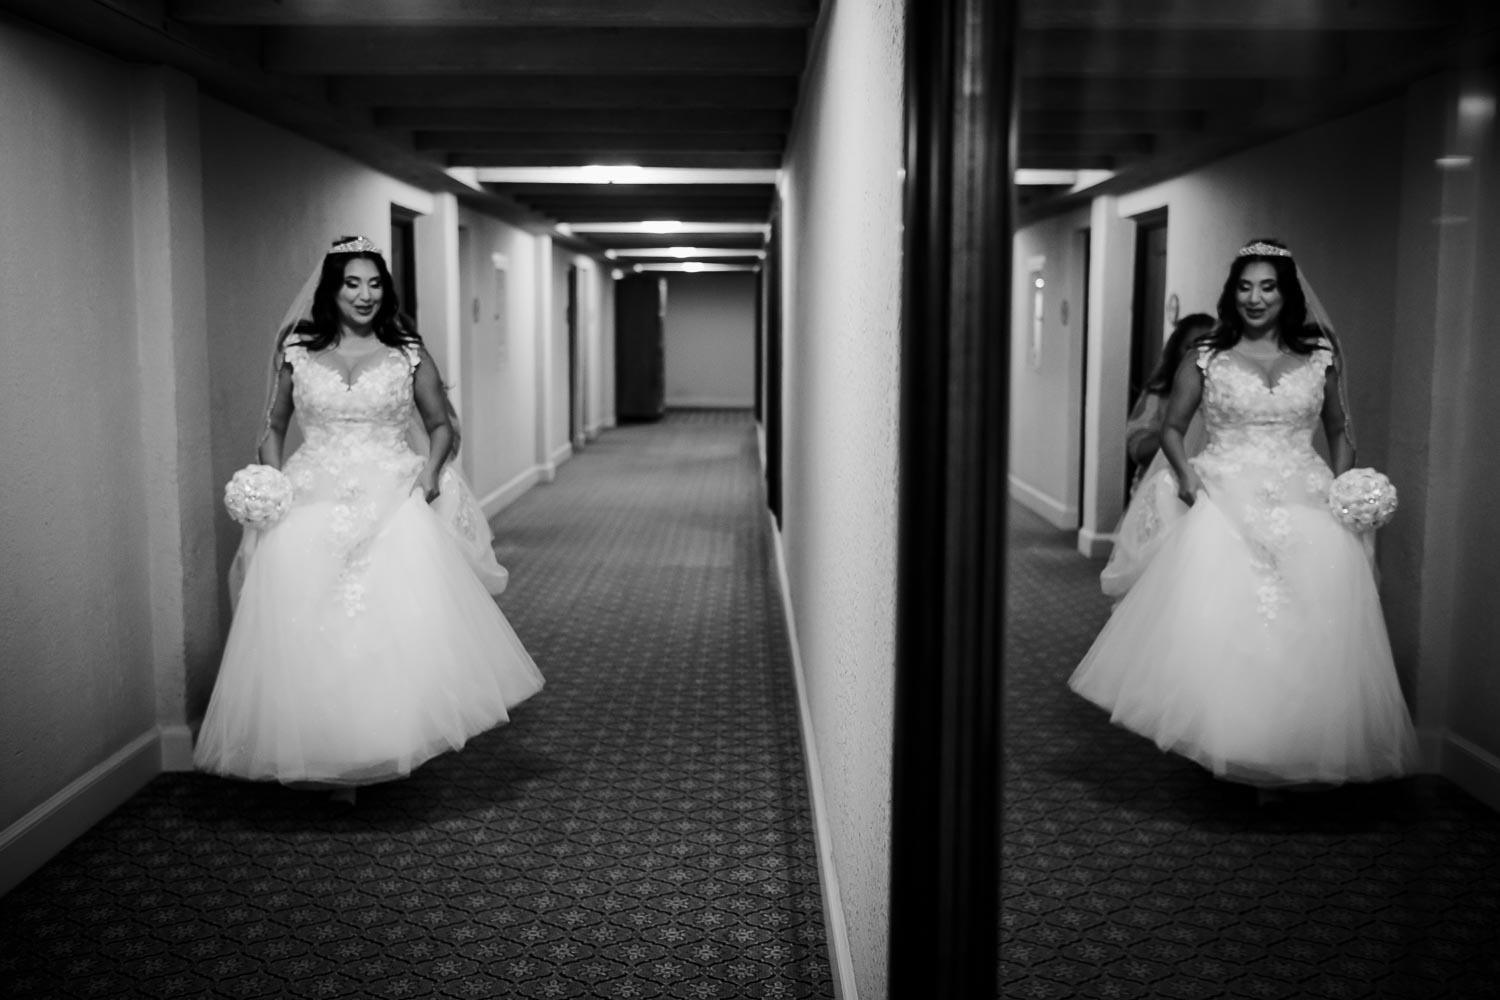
710, 339
500, 409
1046, 384
272, 201
842, 305
75, 614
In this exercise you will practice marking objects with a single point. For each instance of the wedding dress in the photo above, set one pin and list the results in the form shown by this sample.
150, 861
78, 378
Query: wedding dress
1252, 641
365, 638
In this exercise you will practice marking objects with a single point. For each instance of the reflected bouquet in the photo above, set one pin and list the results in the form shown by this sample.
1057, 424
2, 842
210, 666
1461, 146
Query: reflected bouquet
1362, 499
258, 496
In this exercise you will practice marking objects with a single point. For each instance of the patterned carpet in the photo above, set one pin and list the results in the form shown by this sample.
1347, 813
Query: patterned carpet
639, 830
1129, 873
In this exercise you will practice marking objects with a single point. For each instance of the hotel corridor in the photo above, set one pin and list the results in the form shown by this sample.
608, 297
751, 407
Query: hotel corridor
1129, 873
640, 829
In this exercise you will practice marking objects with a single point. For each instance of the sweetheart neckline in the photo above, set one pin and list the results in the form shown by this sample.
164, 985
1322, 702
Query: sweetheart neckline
350, 383
1264, 383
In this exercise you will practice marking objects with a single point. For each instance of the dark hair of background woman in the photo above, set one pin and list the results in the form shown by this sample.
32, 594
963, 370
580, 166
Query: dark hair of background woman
322, 331
1189, 331
1297, 335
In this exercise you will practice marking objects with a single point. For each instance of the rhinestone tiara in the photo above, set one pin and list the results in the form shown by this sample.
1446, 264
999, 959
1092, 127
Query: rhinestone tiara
1264, 250
360, 245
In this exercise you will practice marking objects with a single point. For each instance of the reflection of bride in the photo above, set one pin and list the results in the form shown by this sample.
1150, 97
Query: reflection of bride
365, 638
1252, 641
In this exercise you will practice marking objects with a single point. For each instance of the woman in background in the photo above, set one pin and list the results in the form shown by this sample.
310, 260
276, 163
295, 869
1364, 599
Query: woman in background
365, 637
1153, 496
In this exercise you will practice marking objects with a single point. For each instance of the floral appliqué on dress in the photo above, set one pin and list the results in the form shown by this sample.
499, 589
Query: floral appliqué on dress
1266, 431
355, 452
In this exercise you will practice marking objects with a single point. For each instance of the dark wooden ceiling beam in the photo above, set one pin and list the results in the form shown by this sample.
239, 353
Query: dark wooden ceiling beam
408, 51
728, 241
574, 206
1148, 54
530, 189
723, 160
585, 119
1258, 16
605, 143
664, 209
499, 13
560, 91
660, 212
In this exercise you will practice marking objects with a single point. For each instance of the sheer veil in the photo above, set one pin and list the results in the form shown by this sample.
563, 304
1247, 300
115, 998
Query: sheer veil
1317, 314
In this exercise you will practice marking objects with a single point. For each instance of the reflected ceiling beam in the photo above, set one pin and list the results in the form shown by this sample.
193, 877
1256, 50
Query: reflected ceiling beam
499, 13
1151, 54
498, 52
561, 90
1259, 15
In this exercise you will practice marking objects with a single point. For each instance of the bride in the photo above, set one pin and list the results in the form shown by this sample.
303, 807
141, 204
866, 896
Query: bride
1253, 641
365, 637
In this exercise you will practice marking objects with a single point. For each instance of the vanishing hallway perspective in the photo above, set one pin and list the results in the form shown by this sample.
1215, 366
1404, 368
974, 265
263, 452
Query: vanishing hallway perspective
640, 829
1130, 873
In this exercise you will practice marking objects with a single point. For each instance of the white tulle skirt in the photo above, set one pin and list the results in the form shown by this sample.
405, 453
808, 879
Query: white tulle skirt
1287, 685
347, 680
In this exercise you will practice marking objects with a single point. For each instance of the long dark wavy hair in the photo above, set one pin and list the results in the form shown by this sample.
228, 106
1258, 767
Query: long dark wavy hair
1297, 334
1190, 330
389, 326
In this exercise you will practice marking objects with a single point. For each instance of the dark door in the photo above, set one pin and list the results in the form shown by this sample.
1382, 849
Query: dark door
1149, 316
403, 259
771, 316
1084, 244
575, 437
640, 360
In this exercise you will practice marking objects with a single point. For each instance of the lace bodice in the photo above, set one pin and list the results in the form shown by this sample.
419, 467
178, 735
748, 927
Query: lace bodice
1259, 464
355, 452
373, 408
1252, 423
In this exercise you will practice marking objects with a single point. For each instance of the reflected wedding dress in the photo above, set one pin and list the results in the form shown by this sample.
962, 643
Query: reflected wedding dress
365, 638
1252, 642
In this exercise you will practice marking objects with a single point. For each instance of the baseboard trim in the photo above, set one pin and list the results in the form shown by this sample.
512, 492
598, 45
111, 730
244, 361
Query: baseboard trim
1095, 544
1057, 513
503, 496
1472, 768
35, 838
560, 455
840, 961
176, 747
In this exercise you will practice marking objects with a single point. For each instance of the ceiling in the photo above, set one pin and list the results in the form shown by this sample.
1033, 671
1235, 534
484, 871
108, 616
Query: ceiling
1148, 88
458, 94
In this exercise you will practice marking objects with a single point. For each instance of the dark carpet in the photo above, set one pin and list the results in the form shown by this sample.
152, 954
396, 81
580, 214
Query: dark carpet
1129, 873
640, 829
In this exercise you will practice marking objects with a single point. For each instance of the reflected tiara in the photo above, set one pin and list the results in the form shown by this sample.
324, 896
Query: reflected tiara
1264, 250
360, 245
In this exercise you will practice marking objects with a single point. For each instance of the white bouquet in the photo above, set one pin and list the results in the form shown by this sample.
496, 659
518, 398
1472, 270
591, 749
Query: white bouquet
258, 496
1362, 499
